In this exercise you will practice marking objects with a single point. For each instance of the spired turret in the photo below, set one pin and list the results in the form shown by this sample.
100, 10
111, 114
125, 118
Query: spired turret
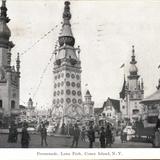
133, 68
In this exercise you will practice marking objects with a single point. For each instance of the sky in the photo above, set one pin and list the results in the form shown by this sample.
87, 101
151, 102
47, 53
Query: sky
105, 32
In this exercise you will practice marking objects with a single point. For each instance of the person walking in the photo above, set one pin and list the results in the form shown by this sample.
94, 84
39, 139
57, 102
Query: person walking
76, 134
25, 139
71, 128
63, 129
108, 136
83, 134
91, 136
157, 138
102, 137
43, 132
10, 135
122, 135
13, 134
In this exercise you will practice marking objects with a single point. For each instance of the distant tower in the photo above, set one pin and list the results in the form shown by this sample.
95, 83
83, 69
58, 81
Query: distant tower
88, 104
9, 75
134, 92
30, 108
30, 103
67, 97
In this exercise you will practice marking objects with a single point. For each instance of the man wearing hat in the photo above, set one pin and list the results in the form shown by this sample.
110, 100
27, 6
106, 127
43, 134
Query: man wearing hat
102, 137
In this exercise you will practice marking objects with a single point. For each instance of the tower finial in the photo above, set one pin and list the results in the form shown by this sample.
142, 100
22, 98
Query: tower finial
142, 84
18, 63
133, 61
3, 3
3, 14
3, 8
66, 36
133, 50
66, 13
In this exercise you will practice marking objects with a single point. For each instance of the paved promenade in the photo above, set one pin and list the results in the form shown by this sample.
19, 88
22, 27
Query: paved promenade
64, 142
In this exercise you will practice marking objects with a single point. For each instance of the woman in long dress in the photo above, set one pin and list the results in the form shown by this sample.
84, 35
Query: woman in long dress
109, 136
25, 139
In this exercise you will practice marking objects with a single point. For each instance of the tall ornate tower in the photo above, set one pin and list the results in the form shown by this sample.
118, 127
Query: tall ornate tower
67, 97
9, 75
134, 91
88, 104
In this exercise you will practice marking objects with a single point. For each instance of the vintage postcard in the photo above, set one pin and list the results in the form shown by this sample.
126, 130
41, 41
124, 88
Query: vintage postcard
79, 79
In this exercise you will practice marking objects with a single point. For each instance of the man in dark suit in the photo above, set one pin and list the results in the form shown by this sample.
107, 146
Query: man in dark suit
76, 134
91, 136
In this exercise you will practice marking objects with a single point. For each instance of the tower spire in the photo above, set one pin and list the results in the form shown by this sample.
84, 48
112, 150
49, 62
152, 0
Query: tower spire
133, 69
66, 37
3, 10
142, 84
133, 61
18, 63
5, 32
66, 13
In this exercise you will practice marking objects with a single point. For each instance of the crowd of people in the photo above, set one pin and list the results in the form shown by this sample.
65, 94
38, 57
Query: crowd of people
89, 134
86, 133
25, 136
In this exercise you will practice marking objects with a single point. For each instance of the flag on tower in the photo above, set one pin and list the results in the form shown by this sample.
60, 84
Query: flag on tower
122, 65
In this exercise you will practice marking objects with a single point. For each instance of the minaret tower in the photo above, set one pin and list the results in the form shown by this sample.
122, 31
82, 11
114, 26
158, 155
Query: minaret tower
9, 76
67, 97
134, 92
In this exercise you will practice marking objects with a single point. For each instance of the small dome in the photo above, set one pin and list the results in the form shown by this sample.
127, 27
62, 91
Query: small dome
4, 31
133, 69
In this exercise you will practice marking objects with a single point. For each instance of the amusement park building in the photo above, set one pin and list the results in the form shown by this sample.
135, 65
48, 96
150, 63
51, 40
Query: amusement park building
9, 75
